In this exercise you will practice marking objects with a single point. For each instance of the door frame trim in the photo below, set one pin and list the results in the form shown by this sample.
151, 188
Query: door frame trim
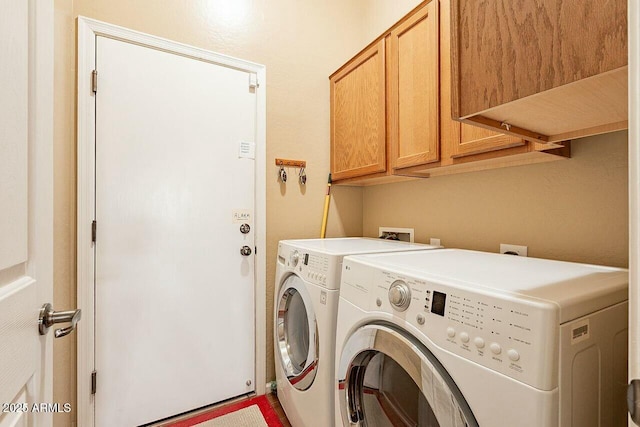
88, 30
634, 187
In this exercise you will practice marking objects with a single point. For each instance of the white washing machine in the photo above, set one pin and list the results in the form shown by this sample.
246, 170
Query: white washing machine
462, 338
306, 304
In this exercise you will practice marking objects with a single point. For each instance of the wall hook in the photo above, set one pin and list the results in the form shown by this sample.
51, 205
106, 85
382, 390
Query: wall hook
282, 174
302, 176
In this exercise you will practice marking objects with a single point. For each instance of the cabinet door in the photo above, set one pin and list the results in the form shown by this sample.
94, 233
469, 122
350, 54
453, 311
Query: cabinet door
549, 69
414, 89
475, 140
462, 139
358, 130
506, 50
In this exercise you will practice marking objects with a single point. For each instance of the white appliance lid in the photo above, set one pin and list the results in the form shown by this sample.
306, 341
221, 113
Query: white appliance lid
356, 245
575, 288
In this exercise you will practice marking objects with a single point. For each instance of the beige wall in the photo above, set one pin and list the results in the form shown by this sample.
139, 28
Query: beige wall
379, 15
572, 210
301, 44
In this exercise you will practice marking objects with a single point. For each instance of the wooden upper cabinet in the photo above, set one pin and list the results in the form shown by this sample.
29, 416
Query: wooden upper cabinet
475, 140
358, 116
547, 70
413, 86
391, 109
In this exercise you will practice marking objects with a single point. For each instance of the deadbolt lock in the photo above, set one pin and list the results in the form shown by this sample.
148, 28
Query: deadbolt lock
245, 228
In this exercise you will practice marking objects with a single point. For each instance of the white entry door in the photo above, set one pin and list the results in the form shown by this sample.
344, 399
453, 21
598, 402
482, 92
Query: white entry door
26, 219
174, 251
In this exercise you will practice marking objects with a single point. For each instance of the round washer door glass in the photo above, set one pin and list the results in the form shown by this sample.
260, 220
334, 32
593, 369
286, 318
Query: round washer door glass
388, 378
297, 334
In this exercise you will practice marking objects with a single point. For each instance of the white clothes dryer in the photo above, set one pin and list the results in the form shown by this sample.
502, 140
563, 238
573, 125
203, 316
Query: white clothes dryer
306, 305
461, 338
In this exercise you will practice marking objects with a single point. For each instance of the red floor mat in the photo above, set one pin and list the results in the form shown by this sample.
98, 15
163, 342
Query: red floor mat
270, 416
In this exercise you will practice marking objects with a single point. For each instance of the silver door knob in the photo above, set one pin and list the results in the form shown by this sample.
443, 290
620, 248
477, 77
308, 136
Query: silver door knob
48, 318
245, 251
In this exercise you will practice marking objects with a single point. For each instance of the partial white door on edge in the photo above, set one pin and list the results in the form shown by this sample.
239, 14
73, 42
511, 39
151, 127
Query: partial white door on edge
26, 218
175, 322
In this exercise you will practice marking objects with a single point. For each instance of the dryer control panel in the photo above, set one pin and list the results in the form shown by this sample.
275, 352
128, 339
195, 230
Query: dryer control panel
513, 335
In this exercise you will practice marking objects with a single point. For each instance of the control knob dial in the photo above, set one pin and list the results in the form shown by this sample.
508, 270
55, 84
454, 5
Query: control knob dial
295, 257
399, 295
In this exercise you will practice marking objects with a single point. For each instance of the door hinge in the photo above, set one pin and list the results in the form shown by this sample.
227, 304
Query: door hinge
253, 81
94, 229
93, 382
94, 81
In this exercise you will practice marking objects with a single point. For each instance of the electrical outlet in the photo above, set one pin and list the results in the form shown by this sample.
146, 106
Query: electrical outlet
434, 242
395, 233
513, 249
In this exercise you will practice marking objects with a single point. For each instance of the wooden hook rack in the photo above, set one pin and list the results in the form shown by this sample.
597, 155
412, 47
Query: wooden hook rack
291, 163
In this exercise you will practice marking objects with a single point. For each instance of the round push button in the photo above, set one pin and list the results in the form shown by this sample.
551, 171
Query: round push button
495, 348
513, 355
451, 332
479, 342
378, 302
420, 319
464, 337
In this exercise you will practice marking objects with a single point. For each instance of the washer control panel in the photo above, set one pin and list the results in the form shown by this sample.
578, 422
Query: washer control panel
510, 334
315, 268
311, 266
